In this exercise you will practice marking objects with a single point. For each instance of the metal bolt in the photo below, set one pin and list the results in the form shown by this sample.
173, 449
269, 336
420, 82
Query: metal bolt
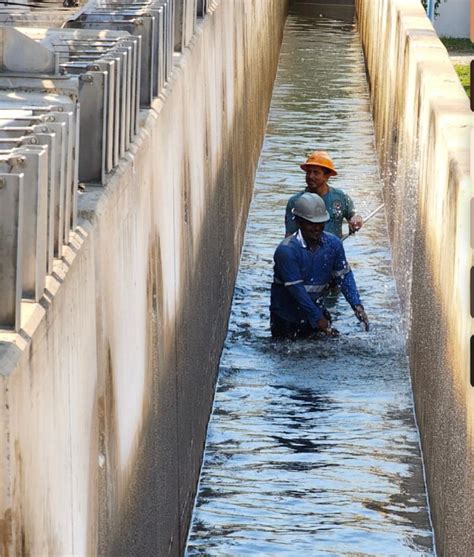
17, 161
86, 77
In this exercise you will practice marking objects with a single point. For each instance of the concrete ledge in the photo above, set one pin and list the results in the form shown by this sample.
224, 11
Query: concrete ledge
423, 121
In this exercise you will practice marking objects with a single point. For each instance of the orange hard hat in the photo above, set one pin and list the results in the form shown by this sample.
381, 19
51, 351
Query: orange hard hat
319, 158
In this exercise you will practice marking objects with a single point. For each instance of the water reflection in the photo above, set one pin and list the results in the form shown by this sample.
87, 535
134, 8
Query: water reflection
312, 447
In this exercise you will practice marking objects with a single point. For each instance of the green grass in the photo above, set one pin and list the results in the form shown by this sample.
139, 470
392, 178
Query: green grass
459, 45
463, 71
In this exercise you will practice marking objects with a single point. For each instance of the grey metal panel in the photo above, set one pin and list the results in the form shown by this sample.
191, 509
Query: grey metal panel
171, 38
137, 58
69, 115
92, 98
35, 226
120, 86
127, 52
168, 36
42, 136
67, 123
179, 25
15, 131
190, 20
122, 56
160, 53
164, 12
13, 142
111, 67
123, 103
59, 120
141, 9
57, 85
142, 26
53, 36
59, 128
73, 221
11, 245
96, 45
32, 162
108, 68
65, 108
48, 139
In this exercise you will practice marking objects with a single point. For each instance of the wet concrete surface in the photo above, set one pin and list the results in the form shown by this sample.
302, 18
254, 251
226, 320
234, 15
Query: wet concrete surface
312, 446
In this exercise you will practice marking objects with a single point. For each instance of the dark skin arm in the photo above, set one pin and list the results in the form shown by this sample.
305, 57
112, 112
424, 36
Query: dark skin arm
362, 316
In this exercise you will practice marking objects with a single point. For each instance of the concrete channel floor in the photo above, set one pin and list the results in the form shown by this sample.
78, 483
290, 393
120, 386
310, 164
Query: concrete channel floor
312, 446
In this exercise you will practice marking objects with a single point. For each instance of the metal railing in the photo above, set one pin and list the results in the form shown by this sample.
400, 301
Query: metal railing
107, 67
69, 110
38, 173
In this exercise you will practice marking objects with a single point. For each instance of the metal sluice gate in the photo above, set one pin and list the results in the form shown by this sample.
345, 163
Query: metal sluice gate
69, 111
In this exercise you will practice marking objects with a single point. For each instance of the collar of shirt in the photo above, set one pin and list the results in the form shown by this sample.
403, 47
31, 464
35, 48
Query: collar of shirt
301, 241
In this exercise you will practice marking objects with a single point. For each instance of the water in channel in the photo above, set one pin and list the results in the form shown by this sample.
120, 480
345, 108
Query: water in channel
312, 446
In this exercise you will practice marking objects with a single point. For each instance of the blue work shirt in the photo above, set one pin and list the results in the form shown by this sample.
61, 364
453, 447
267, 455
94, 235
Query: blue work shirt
301, 277
338, 204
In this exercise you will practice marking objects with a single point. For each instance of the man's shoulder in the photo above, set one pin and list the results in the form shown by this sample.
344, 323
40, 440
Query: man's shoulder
336, 192
288, 244
294, 197
289, 241
331, 240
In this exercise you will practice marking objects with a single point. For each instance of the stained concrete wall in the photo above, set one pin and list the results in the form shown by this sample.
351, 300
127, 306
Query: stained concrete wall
106, 392
422, 121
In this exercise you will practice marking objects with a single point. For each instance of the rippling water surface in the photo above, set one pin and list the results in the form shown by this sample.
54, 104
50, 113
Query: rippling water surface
312, 446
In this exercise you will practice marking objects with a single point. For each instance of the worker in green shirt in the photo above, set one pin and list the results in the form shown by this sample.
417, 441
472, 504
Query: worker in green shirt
319, 168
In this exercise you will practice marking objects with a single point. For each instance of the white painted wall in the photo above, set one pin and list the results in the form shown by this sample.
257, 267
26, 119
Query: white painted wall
453, 19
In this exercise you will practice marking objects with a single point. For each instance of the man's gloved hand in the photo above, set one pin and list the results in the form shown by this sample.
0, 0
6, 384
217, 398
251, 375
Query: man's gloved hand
362, 316
327, 315
324, 326
355, 223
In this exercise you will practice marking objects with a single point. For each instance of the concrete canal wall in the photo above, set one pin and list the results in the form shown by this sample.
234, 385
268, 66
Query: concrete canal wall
106, 391
422, 121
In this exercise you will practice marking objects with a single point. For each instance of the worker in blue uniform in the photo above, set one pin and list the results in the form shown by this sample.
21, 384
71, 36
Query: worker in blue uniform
305, 264
319, 167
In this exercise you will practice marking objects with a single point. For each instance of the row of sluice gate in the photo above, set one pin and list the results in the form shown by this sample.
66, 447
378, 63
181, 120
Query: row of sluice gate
69, 110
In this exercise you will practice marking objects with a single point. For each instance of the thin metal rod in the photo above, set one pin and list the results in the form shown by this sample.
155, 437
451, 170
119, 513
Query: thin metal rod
367, 218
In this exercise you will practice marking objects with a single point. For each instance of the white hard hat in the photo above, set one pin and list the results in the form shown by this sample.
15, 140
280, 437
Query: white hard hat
310, 207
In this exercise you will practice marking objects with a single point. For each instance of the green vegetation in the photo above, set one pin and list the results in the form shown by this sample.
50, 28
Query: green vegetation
458, 45
463, 71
